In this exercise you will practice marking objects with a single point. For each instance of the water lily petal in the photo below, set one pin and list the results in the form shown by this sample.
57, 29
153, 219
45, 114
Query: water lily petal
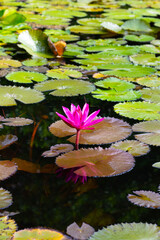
91, 116
85, 111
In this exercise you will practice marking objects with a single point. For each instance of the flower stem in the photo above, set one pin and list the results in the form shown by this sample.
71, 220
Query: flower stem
77, 139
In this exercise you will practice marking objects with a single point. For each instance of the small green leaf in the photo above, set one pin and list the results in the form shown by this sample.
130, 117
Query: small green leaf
26, 77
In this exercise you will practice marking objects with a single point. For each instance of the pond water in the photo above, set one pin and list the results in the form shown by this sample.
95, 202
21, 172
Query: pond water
111, 59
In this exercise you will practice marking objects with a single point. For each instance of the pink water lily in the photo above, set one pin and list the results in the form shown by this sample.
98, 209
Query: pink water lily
79, 119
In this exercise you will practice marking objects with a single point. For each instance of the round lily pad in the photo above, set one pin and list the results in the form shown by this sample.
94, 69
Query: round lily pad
151, 94
35, 62
107, 131
144, 231
7, 168
97, 162
63, 73
143, 198
139, 110
142, 38
8, 94
136, 25
152, 132
7, 228
81, 233
7, 140
149, 81
6, 63
86, 29
5, 198
66, 87
134, 147
26, 77
145, 59
58, 149
17, 121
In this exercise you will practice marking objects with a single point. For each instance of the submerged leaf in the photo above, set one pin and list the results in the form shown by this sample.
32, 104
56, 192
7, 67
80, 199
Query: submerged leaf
66, 87
143, 198
126, 231
5, 198
134, 147
152, 129
107, 131
97, 162
8, 94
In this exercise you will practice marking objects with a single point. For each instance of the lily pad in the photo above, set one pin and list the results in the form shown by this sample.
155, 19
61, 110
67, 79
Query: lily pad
17, 121
136, 25
7, 140
35, 43
6, 63
61, 73
149, 48
7, 169
86, 29
145, 59
82, 233
126, 231
7, 228
139, 110
146, 199
58, 149
35, 62
97, 162
5, 198
151, 94
66, 87
112, 27
142, 38
26, 77
8, 94
39, 234
149, 81
152, 132
134, 147
63, 13
107, 131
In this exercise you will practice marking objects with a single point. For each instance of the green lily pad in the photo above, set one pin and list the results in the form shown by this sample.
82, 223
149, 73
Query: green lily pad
38, 234
92, 42
151, 94
139, 110
145, 59
134, 147
66, 87
63, 13
136, 25
35, 62
35, 43
8, 94
142, 38
112, 27
5, 198
150, 48
61, 73
96, 22
152, 132
86, 29
7, 228
149, 81
6, 63
26, 77
126, 231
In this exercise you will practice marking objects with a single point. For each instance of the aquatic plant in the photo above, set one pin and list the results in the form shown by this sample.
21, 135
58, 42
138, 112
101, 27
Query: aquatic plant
79, 119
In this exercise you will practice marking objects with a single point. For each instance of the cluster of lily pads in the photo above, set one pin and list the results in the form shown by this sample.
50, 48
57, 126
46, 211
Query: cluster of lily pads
121, 65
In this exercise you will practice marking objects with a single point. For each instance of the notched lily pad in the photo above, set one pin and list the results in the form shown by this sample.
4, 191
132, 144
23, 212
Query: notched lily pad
8, 94
107, 131
5, 198
58, 149
63, 73
7, 140
82, 233
139, 110
136, 25
97, 162
7, 228
7, 168
142, 38
26, 77
146, 199
152, 132
66, 87
134, 147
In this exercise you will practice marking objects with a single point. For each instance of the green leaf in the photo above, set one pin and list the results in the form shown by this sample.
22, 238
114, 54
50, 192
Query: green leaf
35, 62
26, 77
151, 94
7, 228
139, 110
142, 38
136, 25
66, 87
145, 59
8, 94
61, 73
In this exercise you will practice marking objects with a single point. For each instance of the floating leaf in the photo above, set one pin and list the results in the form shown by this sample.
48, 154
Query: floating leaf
5, 198
136, 25
112, 27
141, 38
39, 233
149, 81
126, 231
152, 129
7, 140
156, 165
83, 232
7, 228
143, 198
97, 162
66, 87
6, 63
86, 29
17, 121
139, 110
26, 77
8, 94
63, 73
57, 149
35, 43
149, 48
107, 131
35, 62
134, 147
145, 59
7, 168
151, 94
63, 13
